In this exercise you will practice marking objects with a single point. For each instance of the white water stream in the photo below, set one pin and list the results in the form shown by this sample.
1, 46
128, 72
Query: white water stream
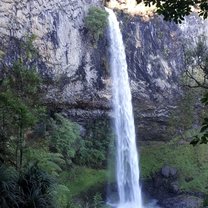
127, 170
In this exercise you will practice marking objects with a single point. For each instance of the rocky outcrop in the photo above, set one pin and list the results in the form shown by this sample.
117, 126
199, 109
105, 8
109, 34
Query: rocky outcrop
75, 67
183, 201
155, 56
164, 187
78, 70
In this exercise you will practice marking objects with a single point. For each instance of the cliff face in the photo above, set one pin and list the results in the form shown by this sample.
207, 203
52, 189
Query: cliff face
74, 66
155, 55
78, 70
155, 61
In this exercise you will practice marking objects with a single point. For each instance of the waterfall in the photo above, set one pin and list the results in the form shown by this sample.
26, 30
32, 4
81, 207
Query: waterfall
127, 166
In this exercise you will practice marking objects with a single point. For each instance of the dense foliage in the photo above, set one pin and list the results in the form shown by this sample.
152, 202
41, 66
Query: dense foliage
30, 189
20, 106
196, 79
36, 147
64, 137
94, 151
176, 9
96, 21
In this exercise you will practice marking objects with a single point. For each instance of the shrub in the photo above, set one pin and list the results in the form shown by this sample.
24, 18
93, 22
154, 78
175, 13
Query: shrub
9, 193
31, 189
96, 21
61, 194
98, 201
36, 188
64, 137
48, 161
94, 151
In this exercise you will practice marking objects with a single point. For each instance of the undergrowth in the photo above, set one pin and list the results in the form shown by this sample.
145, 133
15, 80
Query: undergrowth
81, 179
191, 162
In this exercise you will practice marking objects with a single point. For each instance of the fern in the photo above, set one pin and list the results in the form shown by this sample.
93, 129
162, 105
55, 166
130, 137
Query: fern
47, 161
61, 194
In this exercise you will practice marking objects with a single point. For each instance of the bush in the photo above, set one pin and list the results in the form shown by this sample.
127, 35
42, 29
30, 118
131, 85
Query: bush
48, 161
95, 149
61, 194
9, 192
31, 189
36, 188
98, 201
64, 137
96, 21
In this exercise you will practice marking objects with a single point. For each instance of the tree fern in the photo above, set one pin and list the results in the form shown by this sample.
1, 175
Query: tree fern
47, 161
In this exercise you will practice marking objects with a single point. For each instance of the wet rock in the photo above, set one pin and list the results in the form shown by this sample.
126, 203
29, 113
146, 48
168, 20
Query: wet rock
182, 201
163, 184
174, 187
168, 171
154, 54
188, 179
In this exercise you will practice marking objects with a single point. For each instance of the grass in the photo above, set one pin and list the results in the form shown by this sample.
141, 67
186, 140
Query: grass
81, 179
191, 162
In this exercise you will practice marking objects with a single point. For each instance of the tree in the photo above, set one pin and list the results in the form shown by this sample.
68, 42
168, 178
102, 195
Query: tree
20, 106
198, 58
64, 137
196, 65
176, 9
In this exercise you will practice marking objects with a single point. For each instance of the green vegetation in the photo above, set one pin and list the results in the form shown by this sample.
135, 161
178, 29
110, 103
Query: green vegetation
64, 137
39, 152
81, 179
96, 21
47, 161
29, 189
20, 106
185, 113
94, 151
176, 10
53, 166
191, 162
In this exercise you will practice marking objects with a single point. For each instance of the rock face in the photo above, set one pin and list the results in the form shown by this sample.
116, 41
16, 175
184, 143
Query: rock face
164, 187
164, 184
155, 55
81, 84
77, 69
183, 201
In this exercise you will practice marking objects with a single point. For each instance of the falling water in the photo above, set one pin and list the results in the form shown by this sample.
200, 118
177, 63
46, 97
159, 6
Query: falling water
127, 170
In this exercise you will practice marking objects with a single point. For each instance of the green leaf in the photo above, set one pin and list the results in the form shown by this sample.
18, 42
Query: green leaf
204, 128
195, 141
